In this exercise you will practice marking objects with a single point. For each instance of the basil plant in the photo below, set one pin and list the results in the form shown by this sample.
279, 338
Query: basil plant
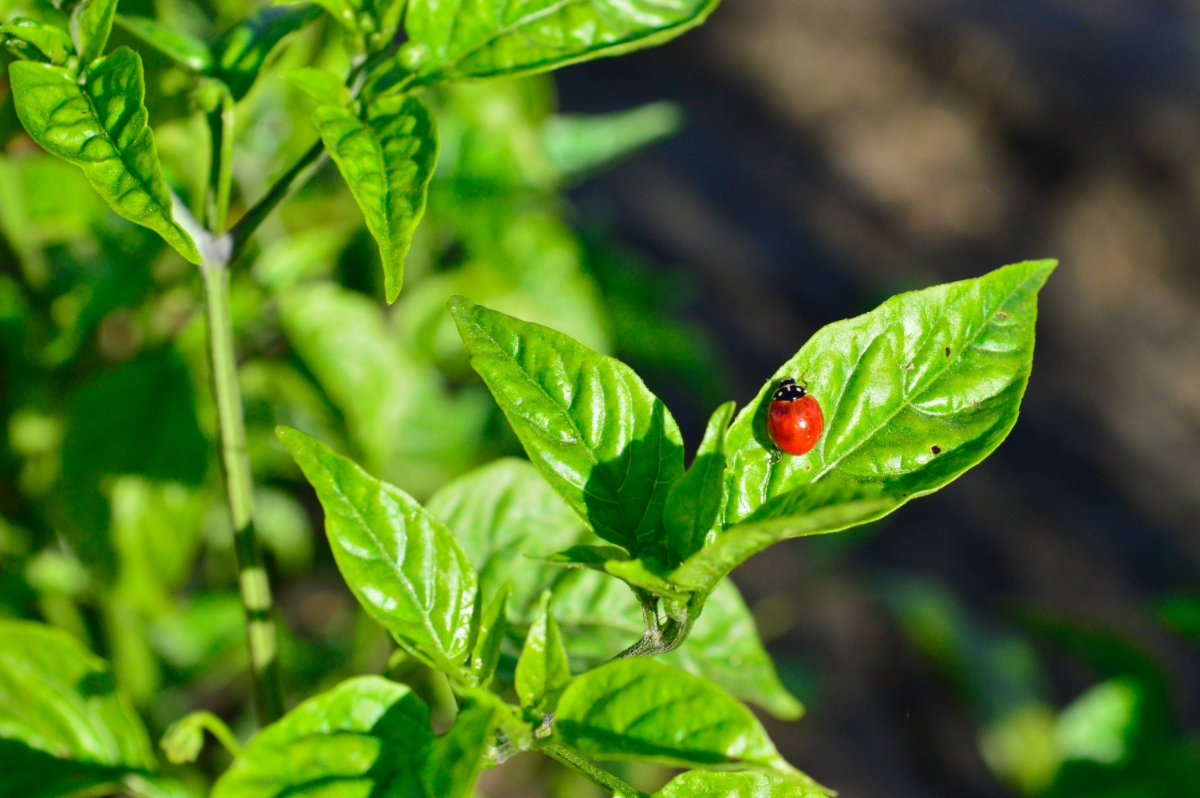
574, 603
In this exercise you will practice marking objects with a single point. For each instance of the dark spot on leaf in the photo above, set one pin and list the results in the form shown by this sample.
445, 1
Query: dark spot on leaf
1001, 315
947, 351
935, 449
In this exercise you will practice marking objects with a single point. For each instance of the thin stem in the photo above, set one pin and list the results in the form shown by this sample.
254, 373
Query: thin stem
292, 179
252, 577
658, 639
591, 771
220, 176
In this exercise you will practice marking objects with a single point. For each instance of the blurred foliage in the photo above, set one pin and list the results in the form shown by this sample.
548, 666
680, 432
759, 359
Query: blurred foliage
112, 520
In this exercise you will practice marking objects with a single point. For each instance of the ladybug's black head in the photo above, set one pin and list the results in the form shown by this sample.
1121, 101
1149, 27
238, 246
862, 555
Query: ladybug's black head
788, 391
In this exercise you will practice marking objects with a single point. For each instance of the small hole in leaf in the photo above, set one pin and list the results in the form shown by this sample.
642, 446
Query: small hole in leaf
935, 449
947, 351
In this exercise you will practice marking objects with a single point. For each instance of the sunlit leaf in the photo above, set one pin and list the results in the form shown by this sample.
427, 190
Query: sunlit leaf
695, 499
543, 671
51, 40
91, 24
101, 127
700, 784
320, 84
387, 160
402, 564
587, 421
453, 762
240, 52
170, 41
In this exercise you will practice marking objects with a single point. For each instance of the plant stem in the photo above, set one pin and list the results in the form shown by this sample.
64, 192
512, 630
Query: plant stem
254, 586
220, 179
293, 178
591, 771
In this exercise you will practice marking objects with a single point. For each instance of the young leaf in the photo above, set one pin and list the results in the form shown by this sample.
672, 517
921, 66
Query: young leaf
363, 737
493, 625
452, 763
543, 670
490, 38
589, 424
64, 726
183, 739
91, 24
644, 710
241, 51
52, 41
387, 161
579, 144
695, 498
320, 84
404, 567
701, 784
507, 519
914, 393
174, 43
101, 128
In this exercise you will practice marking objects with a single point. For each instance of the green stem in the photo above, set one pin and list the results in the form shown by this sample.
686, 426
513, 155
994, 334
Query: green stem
252, 577
591, 771
292, 179
220, 179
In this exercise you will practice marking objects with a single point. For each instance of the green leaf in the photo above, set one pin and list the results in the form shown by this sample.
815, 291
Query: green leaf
387, 160
829, 506
375, 21
644, 710
543, 670
489, 38
699, 784
52, 41
454, 760
320, 84
493, 625
914, 393
695, 499
172, 42
507, 518
241, 51
64, 726
363, 737
101, 128
578, 144
91, 24
402, 564
589, 424
184, 738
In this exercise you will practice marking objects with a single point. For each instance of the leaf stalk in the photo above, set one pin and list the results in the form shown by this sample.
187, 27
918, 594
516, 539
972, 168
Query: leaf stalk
592, 772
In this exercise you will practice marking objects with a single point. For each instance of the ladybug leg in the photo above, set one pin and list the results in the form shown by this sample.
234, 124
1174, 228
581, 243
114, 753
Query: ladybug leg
776, 456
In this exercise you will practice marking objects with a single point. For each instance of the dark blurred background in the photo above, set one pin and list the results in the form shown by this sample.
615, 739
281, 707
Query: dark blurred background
838, 151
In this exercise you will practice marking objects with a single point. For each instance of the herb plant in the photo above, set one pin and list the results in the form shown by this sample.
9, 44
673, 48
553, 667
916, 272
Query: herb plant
517, 585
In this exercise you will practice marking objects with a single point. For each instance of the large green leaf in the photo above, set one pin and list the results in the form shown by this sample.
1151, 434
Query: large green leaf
64, 726
240, 52
364, 737
543, 671
50, 40
642, 709
914, 393
486, 38
452, 763
701, 784
387, 161
403, 565
588, 422
170, 41
100, 126
507, 519
695, 498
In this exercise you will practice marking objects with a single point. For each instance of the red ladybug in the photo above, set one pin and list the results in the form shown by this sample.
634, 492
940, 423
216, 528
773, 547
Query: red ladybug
794, 420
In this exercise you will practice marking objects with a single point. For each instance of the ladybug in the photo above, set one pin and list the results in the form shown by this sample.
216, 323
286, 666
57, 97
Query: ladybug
794, 419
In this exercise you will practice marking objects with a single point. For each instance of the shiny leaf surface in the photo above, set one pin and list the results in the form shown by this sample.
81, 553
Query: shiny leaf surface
64, 726
589, 424
176, 44
487, 38
695, 498
913, 393
644, 710
91, 25
387, 160
401, 563
100, 126
53, 42
699, 784
543, 670
493, 624
363, 737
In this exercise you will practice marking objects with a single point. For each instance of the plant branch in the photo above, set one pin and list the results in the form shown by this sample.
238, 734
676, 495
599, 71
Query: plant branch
220, 179
659, 638
591, 771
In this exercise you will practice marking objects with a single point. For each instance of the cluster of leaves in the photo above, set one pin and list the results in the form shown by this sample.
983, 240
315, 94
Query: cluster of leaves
1118, 737
503, 585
